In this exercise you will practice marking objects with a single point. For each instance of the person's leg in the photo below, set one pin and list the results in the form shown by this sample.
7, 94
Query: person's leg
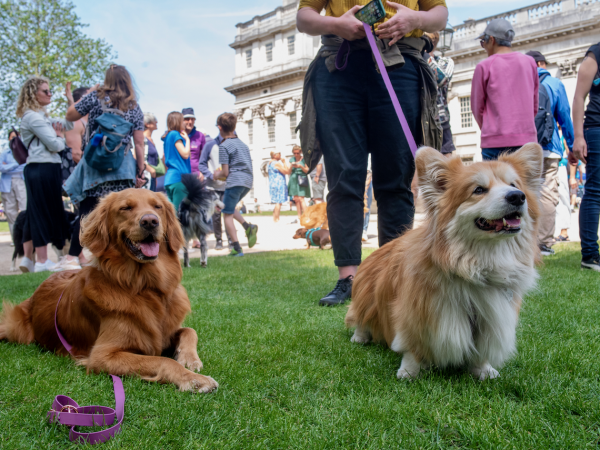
230, 228
589, 210
391, 159
341, 100
231, 198
548, 202
11, 209
368, 213
179, 193
276, 212
299, 206
563, 210
85, 207
216, 218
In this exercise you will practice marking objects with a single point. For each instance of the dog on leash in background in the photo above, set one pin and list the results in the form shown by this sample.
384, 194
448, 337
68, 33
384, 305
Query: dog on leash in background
18, 228
319, 237
448, 293
195, 213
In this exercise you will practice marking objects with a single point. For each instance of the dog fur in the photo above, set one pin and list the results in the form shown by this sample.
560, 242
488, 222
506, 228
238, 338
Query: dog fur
315, 216
320, 237
195, 213
449, 292
125, 311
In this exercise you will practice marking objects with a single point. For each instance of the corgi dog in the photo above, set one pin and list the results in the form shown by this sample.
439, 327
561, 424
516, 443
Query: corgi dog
449, 292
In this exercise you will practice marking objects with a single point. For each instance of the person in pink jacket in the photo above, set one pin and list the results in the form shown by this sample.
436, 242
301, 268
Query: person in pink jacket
504, 93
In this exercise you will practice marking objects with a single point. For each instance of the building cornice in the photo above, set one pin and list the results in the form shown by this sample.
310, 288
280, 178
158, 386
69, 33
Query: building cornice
261, 31
287, 75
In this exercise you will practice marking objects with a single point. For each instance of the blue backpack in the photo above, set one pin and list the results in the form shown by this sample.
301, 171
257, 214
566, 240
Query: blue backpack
544, 119
105, 150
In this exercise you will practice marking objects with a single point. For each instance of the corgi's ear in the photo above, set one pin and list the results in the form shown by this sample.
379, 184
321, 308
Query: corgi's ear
528, 162
433, 172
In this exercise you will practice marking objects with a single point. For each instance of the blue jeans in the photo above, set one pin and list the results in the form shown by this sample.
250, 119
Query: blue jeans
232, 197
355, 117
590, 204
491, 154
369, 202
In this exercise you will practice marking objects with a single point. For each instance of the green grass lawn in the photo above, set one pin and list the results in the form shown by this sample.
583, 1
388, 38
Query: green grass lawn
290, 378
4, 227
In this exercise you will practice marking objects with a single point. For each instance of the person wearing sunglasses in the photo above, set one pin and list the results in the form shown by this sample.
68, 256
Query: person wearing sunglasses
504, 93
46, 220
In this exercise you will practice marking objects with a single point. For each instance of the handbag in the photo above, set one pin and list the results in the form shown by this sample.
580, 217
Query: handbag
105, 150
19, 151
302, 180
160, 168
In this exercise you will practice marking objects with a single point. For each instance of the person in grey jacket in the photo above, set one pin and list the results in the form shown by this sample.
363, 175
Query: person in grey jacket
46, 220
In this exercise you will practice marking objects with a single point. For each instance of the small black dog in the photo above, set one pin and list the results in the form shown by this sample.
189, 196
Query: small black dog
195, 215
18, 227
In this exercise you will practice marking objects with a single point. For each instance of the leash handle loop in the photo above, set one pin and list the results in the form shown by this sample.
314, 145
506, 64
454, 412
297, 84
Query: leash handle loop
67, 411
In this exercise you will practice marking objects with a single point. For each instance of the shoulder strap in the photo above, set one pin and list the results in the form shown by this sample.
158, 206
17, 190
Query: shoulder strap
543, 77
106, 109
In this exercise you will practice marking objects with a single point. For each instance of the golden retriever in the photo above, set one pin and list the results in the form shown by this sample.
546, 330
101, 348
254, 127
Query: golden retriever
449, 292
123, 312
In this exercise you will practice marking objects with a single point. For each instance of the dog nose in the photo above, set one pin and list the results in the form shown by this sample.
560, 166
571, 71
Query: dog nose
149, 222
516, 198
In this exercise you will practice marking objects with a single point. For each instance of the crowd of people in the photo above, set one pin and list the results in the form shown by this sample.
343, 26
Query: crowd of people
359, 151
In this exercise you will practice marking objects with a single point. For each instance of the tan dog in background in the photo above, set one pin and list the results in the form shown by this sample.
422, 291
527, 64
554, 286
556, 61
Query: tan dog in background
449, 292
121, 314
315, 216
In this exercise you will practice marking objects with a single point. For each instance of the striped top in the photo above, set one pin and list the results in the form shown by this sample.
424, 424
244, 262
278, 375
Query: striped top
236, 155
337, 8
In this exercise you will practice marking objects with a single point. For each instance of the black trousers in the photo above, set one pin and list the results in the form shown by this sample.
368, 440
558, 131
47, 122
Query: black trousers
216, 218
46, 219
85, 207
355, 117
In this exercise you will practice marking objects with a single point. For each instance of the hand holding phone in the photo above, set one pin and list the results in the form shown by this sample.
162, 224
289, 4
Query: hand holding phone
371, 13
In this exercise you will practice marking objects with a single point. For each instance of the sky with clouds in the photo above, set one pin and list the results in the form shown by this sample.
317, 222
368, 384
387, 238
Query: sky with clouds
179, 54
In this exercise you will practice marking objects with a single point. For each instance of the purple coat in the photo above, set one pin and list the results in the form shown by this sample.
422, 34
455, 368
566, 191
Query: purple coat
197, 141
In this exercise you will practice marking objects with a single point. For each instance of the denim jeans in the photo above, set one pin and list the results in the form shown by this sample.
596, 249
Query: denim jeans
492, 154
355, 117
590, 204
369, 202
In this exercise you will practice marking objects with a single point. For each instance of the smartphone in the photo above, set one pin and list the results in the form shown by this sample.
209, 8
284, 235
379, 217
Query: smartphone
371, 13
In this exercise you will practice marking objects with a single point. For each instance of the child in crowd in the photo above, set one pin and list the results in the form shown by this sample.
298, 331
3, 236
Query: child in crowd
236, 167
177, 158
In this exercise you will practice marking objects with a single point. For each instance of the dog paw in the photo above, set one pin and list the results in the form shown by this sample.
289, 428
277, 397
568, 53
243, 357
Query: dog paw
405, 374
199, 384
485, 372
203, 264
189, 361
360, 338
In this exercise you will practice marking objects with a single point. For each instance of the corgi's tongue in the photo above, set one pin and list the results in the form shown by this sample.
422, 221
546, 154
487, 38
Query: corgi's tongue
150, 250
507, 223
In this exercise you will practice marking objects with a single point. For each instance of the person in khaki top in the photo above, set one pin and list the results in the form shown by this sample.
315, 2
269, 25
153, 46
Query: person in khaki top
355, 117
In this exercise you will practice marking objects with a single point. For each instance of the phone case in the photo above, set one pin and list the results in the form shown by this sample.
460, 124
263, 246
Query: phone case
371, 13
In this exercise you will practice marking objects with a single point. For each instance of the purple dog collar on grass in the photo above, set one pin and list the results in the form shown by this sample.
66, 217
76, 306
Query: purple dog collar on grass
341, 61
66, 411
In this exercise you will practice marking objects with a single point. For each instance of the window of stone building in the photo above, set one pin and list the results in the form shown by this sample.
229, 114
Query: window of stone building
269, 49
291, 44
293, 124
271, 129
248, 58
250, 132
466, 117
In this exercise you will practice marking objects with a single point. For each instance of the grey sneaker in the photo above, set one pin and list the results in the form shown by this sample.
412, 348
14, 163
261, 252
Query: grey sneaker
545, 250
591, 263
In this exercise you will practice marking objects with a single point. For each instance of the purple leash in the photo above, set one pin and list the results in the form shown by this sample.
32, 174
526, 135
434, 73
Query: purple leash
66, 411
341, 62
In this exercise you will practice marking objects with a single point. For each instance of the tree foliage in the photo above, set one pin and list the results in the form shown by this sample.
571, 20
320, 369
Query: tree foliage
45, 37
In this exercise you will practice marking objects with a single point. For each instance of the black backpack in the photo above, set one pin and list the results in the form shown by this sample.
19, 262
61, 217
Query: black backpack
544, 120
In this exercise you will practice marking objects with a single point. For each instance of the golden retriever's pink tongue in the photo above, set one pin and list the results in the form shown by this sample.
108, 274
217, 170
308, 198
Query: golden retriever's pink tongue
150, 250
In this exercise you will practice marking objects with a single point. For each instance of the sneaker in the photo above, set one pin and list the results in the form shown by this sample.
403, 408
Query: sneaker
591, 263
234, 252
48, 265
545, 250
251, 235
562, 238
219, 245
66, 264
27, 265
365, 237
341, 292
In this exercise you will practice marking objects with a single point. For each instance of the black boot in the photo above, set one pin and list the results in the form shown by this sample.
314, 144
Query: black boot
341, 292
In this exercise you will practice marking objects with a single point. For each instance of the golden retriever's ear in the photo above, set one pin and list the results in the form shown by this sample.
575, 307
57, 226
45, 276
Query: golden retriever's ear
528, 162
94, 233
173, 233
432, 171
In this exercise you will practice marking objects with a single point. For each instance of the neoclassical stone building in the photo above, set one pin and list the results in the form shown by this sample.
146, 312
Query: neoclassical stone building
271, 58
